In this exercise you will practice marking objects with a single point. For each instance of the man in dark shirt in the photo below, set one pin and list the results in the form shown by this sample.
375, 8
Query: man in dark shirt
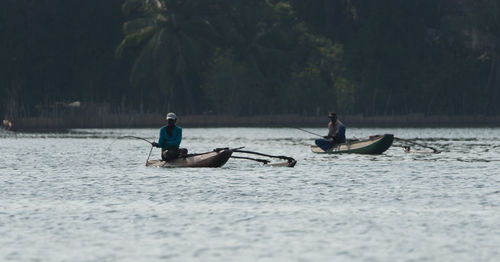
170, 139
336, 133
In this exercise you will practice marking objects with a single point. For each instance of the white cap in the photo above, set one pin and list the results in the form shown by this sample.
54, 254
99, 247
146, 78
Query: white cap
171, 116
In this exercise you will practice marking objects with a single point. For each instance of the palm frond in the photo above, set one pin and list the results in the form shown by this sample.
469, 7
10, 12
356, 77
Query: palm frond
135, 39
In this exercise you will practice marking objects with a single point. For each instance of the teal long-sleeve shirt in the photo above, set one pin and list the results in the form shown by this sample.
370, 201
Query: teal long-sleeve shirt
169, 142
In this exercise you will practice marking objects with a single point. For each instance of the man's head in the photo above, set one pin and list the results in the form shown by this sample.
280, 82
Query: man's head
171, 119
332, 116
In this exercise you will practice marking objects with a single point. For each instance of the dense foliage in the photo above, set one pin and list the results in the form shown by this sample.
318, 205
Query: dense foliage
252, 57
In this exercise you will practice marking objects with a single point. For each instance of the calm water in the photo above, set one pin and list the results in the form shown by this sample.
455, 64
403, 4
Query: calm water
84, 196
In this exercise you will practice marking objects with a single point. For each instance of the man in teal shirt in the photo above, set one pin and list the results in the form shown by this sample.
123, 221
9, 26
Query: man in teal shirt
170, 139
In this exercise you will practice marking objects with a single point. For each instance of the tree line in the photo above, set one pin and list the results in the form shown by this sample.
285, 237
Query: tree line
386, 57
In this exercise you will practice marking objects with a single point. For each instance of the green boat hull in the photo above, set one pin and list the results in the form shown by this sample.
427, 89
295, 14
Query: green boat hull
372, 146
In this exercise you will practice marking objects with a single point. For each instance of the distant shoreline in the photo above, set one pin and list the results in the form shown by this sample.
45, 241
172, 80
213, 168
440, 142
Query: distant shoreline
289, 120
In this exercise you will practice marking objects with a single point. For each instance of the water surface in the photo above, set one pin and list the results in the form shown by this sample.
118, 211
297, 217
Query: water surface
82, 195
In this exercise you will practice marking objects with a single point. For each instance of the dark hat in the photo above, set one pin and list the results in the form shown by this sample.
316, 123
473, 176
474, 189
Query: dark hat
332, 114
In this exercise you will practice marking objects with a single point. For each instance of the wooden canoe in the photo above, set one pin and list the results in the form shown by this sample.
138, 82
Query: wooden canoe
373, 145
216, 158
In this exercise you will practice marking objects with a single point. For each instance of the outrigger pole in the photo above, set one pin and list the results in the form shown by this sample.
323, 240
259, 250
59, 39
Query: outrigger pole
434, 150
254, 159
266, 155
290, 162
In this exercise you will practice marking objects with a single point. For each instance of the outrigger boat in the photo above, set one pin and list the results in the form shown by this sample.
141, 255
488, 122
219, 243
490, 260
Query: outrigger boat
374, 145
217, 158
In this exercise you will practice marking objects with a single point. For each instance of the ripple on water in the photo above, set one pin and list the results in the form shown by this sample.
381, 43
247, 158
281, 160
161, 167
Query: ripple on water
82, 195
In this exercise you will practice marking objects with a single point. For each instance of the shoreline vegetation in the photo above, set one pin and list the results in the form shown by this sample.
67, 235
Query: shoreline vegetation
379, 59
281, 120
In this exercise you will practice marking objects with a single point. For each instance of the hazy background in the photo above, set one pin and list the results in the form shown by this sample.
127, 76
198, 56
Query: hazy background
388, 57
